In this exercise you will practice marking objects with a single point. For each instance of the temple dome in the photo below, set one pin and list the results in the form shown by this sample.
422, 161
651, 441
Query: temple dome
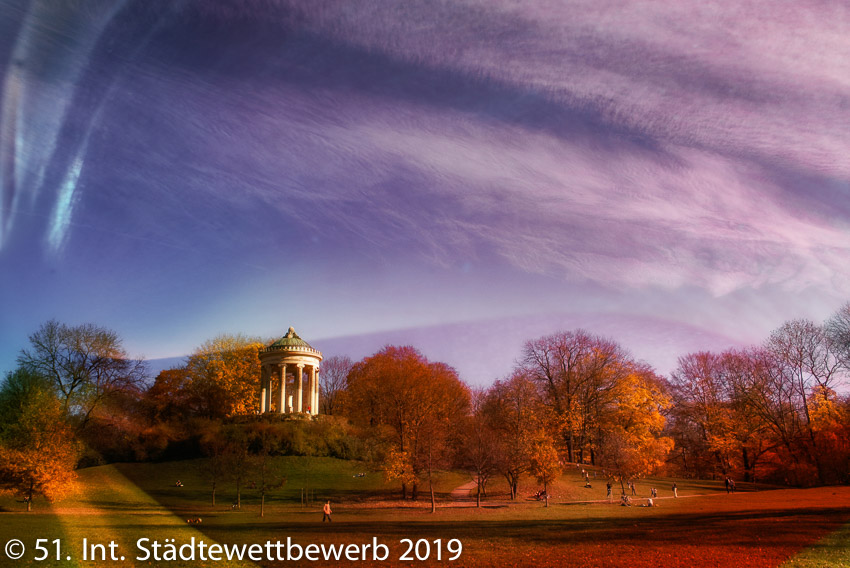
291, 342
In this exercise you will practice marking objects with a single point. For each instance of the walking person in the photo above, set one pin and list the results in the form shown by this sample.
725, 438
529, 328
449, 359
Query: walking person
633, 488
675, 490
609, 490
326, 510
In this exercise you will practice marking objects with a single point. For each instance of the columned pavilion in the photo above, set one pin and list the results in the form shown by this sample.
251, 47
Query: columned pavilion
290, 376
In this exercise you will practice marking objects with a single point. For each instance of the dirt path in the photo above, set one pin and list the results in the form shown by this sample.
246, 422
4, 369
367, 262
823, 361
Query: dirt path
461, 493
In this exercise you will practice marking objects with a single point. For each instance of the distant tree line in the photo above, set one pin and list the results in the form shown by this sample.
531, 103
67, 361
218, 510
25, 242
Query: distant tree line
774, 412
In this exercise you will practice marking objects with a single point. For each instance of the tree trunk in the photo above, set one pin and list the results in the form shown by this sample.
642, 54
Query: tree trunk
262, 502
430, 482
213, 494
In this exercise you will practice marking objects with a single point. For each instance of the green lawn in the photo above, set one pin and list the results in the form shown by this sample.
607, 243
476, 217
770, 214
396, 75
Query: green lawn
832, 551
704, 527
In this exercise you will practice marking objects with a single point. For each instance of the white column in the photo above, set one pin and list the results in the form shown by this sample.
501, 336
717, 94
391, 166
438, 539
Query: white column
315, 390
269, 391
282, 406
299, 388
263, 373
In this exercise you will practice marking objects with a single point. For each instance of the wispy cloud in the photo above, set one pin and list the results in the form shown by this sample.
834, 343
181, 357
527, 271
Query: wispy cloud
693, 149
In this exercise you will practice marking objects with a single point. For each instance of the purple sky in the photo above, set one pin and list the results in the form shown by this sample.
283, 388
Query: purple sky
459, 175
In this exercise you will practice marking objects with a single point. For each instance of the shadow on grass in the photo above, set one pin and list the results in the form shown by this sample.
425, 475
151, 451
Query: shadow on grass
733, 531
743, 529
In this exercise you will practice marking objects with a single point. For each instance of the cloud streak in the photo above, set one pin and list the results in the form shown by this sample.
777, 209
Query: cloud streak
682, 150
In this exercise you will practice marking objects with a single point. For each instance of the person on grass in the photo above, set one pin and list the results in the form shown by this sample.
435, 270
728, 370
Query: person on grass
326, 510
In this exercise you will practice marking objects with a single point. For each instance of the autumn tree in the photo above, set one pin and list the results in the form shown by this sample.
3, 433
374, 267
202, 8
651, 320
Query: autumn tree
808, 363
37, 448
477, 450
705, 420
415, 403
634, 444
224, 374
398, 467
515, 413
86, 365
544, 461
742, 370
168, 398
577, 372
335, 371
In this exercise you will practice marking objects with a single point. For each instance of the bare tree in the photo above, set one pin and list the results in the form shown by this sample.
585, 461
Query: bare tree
808, 364
837, 330
334, 380
86, 364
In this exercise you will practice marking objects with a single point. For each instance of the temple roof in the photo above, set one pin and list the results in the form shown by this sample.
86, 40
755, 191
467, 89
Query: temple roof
291, 342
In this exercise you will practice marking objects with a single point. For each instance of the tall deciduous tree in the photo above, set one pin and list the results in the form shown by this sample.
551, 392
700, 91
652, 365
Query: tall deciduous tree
514, 411
704, 409
837, 330
634, 444
168, 397
414, 400
224, 375
86, 364
264, 442
578, 372
334, 381
808, 363
477, 449
237, 457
